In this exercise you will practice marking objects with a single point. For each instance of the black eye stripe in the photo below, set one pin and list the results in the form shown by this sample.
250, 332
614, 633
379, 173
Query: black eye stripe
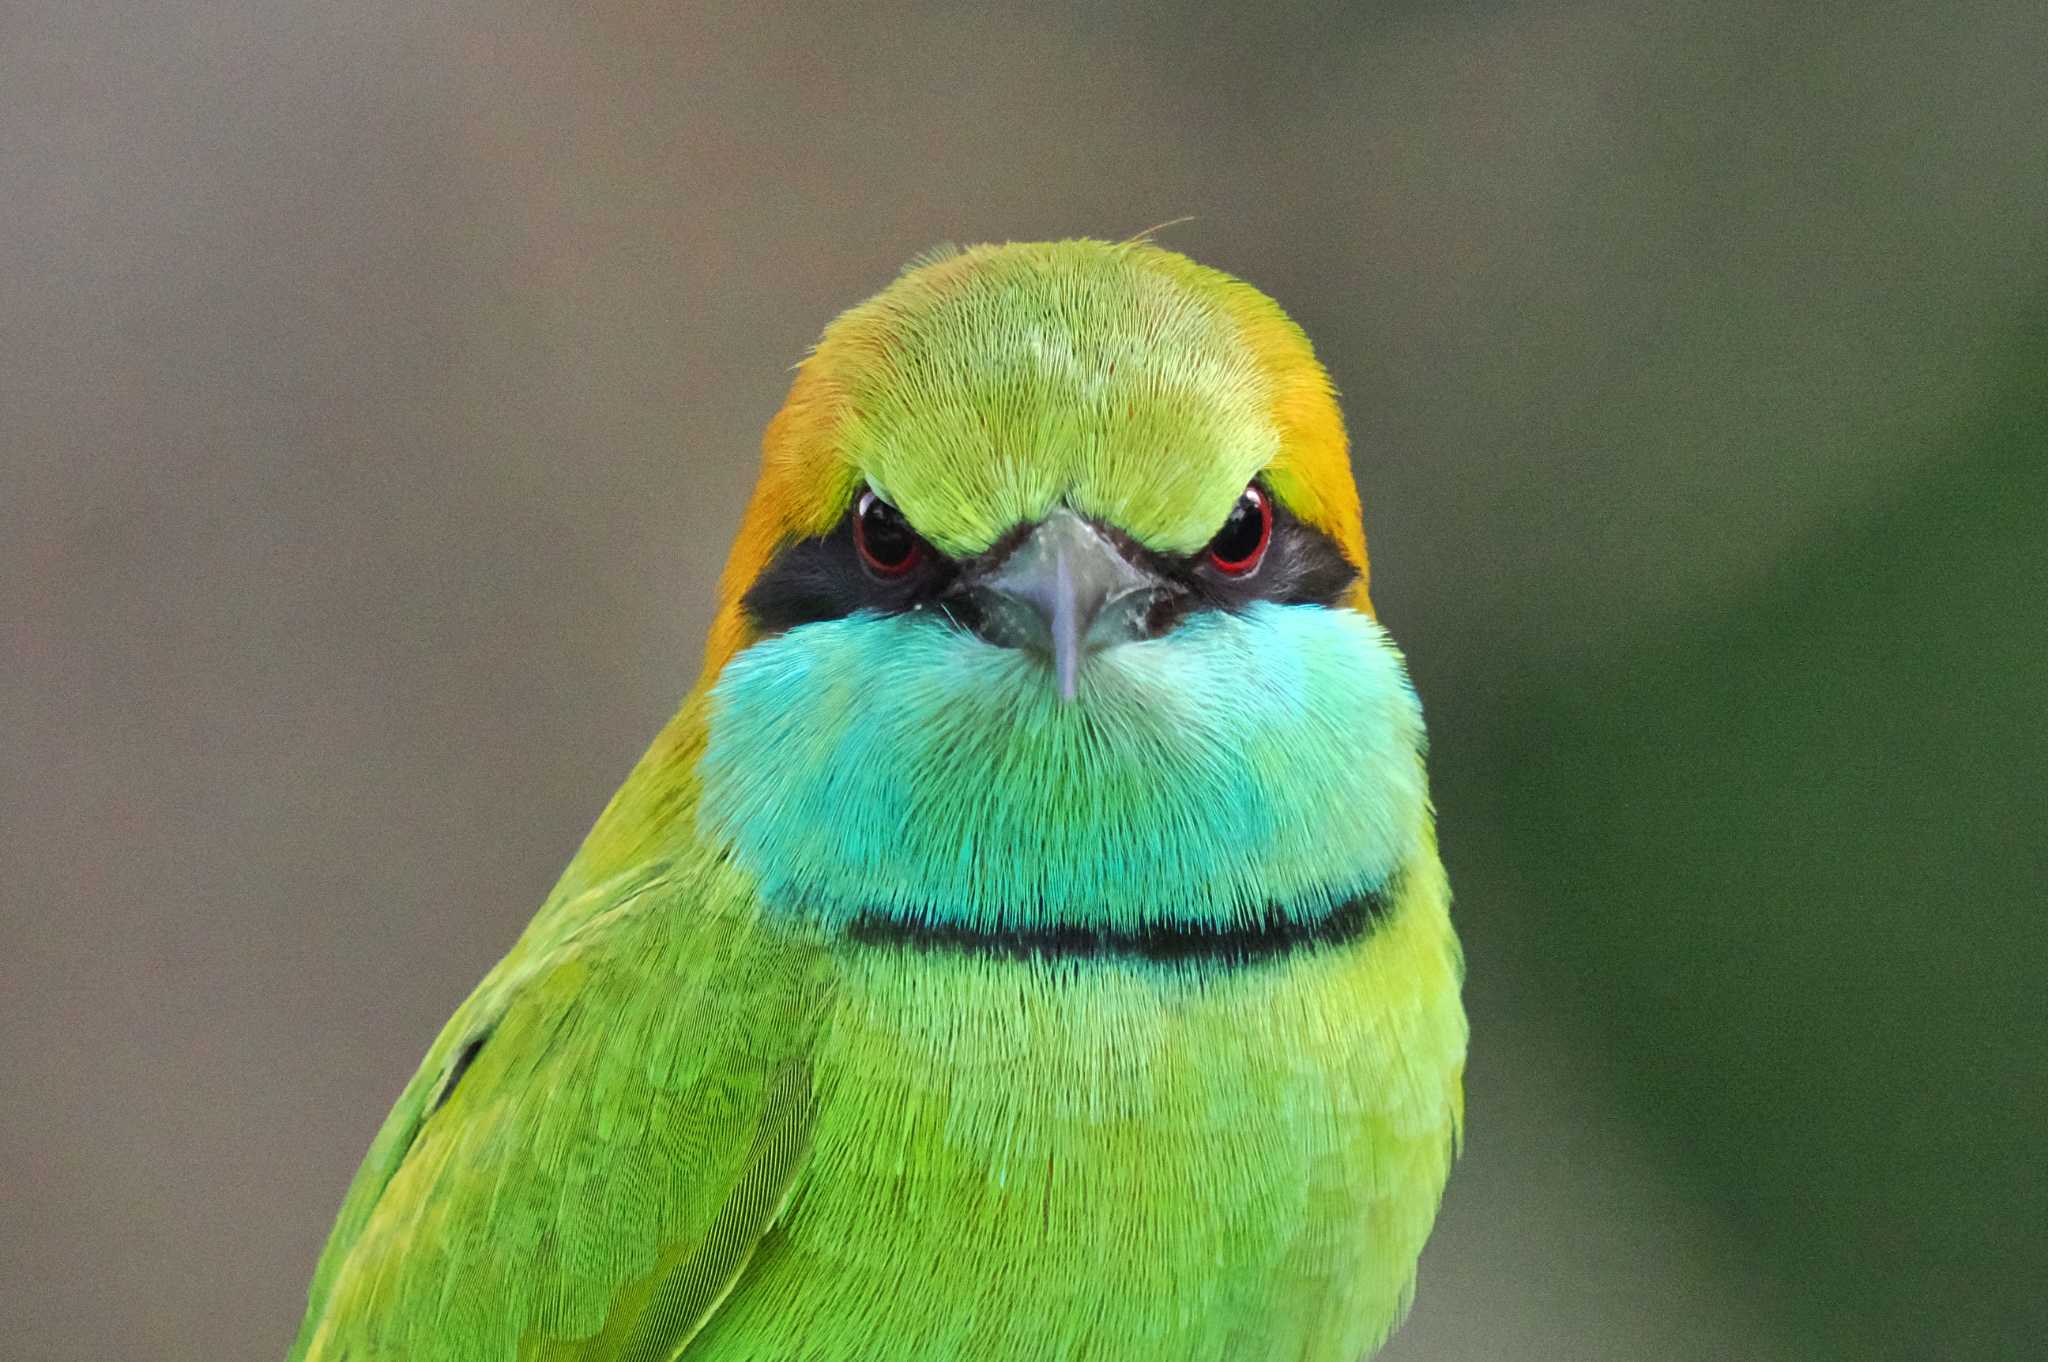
1301, 566
823, 578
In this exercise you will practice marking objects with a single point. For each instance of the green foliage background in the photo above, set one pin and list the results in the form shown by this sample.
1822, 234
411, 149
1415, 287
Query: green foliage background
1790, 865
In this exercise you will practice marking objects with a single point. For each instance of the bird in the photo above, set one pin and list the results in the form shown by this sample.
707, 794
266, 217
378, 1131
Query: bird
1027, 940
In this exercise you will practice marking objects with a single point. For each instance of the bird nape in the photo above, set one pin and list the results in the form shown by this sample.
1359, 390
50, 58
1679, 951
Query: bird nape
1027, 940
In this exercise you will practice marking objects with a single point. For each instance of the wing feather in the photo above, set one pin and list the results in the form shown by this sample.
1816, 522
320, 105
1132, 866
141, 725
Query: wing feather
583, 1165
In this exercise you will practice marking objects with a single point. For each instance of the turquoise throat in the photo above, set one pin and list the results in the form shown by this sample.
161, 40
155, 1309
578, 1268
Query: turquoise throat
896, 780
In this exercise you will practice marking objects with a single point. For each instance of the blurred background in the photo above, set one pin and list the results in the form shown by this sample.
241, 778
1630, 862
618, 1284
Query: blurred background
380, 385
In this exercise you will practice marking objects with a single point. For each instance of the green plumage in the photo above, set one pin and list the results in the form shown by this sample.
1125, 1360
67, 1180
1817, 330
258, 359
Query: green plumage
697, 1113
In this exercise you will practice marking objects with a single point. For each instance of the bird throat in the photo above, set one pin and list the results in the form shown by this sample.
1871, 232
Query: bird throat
1248, 785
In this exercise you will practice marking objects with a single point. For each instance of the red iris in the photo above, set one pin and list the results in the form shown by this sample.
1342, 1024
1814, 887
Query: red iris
1241, 543
886, 542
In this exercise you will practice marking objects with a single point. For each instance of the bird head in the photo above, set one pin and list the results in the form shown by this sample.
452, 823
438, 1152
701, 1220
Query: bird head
1103, 409
1049, 613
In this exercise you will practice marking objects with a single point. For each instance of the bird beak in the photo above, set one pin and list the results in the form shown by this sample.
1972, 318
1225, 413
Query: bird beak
1064, 592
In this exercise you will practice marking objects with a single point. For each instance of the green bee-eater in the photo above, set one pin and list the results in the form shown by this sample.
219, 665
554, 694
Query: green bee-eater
1026, 944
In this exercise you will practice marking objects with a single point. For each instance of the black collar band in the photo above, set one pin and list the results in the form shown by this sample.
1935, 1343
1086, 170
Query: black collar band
1272, 935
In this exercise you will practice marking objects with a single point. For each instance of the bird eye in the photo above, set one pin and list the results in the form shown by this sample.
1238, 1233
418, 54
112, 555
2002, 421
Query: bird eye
1241, 543
886, 542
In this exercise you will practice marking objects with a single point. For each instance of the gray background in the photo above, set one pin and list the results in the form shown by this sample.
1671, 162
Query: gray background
380, 385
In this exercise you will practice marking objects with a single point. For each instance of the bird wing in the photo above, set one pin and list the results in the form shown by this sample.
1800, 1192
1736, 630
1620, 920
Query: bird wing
584, 1163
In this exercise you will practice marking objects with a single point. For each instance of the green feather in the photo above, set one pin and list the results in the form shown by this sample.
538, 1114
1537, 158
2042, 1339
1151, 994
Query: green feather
603, 1168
